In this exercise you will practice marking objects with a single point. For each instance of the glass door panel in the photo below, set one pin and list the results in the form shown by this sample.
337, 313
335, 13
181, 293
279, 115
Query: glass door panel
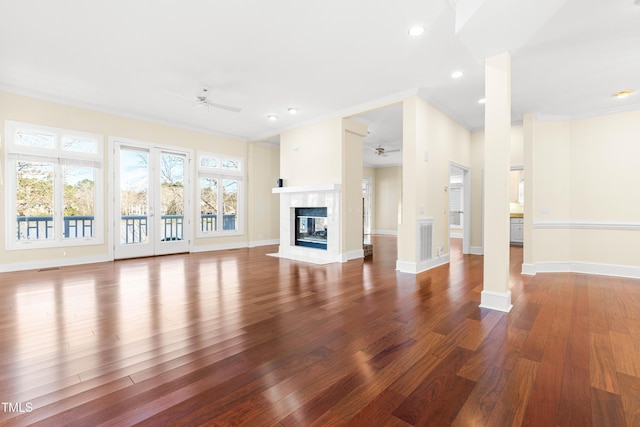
151, 217
133, 203
171, 224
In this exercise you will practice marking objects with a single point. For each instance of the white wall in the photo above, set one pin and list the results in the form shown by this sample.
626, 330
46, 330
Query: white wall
427, 131
263, 206
477, 167
586, 201
353, 133
388, 190
312, 155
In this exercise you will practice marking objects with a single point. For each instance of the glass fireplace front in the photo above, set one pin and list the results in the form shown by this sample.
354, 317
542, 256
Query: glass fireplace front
311, 227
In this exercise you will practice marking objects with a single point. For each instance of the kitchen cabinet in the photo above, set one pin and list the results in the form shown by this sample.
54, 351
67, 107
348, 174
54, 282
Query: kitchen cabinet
517, 230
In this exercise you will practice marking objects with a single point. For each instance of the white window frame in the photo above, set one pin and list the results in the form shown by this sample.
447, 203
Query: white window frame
58, 157
219, 173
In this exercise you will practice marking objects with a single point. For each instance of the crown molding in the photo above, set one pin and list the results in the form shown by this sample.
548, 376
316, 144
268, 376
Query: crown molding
587, 115
114, 112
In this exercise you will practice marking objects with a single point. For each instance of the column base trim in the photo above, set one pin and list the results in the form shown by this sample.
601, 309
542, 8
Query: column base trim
499, 301
416, 268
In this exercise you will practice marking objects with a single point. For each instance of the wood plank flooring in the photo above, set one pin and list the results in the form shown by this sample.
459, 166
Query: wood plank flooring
240, 338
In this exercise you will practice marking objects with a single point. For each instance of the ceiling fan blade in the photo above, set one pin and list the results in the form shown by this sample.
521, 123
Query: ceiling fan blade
224, 107
393, 150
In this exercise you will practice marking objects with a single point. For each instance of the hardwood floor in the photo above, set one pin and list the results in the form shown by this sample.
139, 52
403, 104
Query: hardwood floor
240, 338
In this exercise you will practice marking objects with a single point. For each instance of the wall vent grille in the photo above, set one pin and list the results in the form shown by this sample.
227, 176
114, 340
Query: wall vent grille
425, 239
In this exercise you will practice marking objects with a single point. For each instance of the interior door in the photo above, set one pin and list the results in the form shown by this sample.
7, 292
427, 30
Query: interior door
151, 200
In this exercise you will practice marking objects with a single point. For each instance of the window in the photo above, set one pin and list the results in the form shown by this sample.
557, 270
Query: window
221, 192
54, 183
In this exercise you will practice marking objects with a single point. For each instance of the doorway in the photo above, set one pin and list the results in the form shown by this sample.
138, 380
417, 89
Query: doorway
151, 200
459, 212
367, 185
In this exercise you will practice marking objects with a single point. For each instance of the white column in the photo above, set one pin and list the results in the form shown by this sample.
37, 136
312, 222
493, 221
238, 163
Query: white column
496, 294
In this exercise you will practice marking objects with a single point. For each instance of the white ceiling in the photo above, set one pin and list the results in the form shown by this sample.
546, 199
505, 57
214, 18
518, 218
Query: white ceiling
385, 130
326, 58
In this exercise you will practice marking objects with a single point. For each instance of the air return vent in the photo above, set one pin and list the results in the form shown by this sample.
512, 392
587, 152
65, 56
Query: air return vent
425, 239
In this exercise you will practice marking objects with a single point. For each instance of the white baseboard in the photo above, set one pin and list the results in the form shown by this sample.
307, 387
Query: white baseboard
415, 268
456, 234
476, 250
308, 259
582, 267
255, 243
385, 232
53, 263
499, 301
219, 247
528, 269
350, 255
237, 245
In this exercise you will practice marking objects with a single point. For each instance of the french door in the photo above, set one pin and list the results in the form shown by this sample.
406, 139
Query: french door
151, 200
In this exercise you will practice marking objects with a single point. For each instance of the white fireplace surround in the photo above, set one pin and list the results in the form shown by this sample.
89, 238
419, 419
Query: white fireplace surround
312, 196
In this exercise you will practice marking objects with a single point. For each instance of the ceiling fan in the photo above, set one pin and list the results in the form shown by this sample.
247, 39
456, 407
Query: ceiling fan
202, 99
381, 151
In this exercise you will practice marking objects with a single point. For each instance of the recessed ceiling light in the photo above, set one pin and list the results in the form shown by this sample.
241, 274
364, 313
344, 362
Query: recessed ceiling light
292, 110
457, 74
272, 117
481, 101
416, 31
623, 93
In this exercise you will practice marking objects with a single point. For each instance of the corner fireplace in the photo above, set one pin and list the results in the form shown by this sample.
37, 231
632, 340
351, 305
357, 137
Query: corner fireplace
311, 227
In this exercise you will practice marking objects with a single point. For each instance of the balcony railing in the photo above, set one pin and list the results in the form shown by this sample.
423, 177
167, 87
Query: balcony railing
208, 222
134, 227
41, 227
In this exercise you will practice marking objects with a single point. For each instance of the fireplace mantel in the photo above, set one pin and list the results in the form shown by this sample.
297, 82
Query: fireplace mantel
306, 189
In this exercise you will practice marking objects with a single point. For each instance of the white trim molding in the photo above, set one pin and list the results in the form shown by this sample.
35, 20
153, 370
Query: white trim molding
306, 189
385, 232
499, 301
586, 225
476, 250
236, 245
255, 243
528, 269
613, 270
551, 117
351, 255
53, 263
419, 267
218, 247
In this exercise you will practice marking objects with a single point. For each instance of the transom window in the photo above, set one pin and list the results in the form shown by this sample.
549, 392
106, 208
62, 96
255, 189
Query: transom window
220, 182
54, 186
